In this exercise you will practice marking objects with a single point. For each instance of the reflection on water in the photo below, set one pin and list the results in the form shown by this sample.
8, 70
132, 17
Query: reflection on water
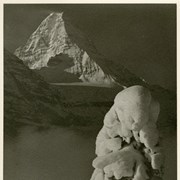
61, 154
56, 154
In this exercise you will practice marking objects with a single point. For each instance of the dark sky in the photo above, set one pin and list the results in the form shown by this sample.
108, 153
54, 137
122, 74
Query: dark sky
141, 37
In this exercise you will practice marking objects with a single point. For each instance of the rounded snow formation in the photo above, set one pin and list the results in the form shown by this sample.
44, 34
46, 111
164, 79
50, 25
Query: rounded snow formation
128, 146
51, 39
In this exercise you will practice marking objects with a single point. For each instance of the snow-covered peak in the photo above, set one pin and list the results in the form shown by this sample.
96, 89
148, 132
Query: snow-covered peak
47, 37
59, 14
54, 16
51, 39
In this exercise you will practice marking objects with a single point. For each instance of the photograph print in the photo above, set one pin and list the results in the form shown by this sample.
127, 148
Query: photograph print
90, 92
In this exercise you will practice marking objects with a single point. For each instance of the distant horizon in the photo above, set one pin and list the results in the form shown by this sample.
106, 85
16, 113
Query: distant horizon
140, 37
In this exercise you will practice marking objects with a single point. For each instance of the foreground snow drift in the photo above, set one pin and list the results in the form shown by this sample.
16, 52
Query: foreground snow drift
127, 146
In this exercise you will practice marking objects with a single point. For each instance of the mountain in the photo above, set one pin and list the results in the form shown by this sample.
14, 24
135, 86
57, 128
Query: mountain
62, 53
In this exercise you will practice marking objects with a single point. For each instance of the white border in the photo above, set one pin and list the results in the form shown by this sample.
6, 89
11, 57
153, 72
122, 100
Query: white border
90, 2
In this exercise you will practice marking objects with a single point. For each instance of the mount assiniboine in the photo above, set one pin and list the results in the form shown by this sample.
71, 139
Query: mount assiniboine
51, 39
62, 54
70, 56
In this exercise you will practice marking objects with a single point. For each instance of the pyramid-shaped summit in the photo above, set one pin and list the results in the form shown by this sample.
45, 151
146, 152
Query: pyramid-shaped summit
55, 37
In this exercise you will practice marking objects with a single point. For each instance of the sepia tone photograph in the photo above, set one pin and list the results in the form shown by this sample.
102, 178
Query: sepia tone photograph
90, 92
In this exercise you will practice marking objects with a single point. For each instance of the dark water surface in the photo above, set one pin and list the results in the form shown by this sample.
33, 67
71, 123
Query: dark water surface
62, 154
55, 154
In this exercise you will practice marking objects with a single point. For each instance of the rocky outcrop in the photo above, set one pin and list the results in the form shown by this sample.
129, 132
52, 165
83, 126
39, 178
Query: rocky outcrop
128, 145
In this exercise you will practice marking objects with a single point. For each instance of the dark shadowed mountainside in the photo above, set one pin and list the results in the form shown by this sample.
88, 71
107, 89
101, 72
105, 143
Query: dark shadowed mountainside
28, 99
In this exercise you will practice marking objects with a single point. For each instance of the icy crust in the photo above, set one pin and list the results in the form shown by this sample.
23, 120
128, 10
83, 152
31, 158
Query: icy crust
121, 164
51, 39
127, 146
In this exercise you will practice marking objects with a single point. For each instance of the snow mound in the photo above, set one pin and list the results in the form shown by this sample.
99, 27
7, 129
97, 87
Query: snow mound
128, 144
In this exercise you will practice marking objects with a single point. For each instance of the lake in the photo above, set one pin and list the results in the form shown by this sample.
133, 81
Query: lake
62, 154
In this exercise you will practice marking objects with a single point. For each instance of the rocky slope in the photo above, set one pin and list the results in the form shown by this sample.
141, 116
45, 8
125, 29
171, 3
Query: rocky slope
28, 99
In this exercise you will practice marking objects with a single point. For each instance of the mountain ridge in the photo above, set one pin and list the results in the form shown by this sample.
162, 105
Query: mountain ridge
28, 99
